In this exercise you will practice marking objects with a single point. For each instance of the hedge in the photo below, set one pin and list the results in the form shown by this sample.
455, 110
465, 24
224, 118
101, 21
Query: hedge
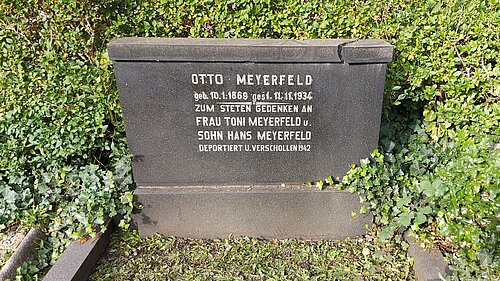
64, 162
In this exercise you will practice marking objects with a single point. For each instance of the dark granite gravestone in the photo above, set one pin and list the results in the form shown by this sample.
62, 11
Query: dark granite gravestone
225, 131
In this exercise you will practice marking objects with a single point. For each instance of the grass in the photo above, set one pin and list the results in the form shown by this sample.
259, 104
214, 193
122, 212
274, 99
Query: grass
4, 257
130, 257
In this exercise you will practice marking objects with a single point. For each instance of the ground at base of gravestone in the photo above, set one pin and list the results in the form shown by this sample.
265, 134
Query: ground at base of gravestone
9, 240
130, 257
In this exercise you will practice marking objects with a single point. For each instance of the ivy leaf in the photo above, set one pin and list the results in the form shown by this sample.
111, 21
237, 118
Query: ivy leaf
320, 185
484, 257
404, 219
427, 188
426, 210
330, 180
126, 198
403, 201
420, 218
439, 188
386, 233
99, 221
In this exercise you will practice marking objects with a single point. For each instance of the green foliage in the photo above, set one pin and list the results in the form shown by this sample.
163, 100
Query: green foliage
133, 258
63, 155
4, 257
450, 190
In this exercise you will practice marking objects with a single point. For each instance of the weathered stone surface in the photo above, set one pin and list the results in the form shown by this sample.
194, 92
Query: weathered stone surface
366, 51
210, 112
226, 50
216, 125
257, 211
429, 264
78, 261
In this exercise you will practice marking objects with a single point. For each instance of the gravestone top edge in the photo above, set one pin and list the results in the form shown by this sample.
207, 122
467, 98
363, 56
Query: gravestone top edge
249, 50
367, 51
246, 188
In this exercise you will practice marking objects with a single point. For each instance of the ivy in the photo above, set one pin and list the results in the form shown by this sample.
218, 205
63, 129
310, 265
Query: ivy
63, 156
445, 193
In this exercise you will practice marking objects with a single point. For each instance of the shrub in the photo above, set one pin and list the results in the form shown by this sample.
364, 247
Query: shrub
63, 156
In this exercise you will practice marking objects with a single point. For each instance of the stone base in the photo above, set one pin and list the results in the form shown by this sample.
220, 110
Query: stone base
78, 261
257, 211
429, 264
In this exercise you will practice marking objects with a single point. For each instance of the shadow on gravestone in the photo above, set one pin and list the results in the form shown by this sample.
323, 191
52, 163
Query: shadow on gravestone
225, 131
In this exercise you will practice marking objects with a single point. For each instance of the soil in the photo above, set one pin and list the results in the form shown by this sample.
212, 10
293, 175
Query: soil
9, 242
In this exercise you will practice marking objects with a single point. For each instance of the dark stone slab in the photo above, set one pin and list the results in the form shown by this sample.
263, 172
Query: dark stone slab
275, 110
367, 51
257, 211
216, 125
225, 50
78, 261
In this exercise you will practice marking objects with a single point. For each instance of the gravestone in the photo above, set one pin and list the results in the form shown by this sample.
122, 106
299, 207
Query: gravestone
224, 132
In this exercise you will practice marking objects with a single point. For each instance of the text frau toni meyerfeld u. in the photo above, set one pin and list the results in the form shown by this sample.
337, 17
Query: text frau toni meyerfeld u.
227, 101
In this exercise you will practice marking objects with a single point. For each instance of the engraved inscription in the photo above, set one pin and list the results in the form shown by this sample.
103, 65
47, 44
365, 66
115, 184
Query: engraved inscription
261, 113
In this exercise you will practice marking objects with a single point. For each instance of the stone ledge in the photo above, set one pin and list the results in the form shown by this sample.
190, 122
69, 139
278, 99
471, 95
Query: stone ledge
258, 211
23, 252
429, 264
78, 260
